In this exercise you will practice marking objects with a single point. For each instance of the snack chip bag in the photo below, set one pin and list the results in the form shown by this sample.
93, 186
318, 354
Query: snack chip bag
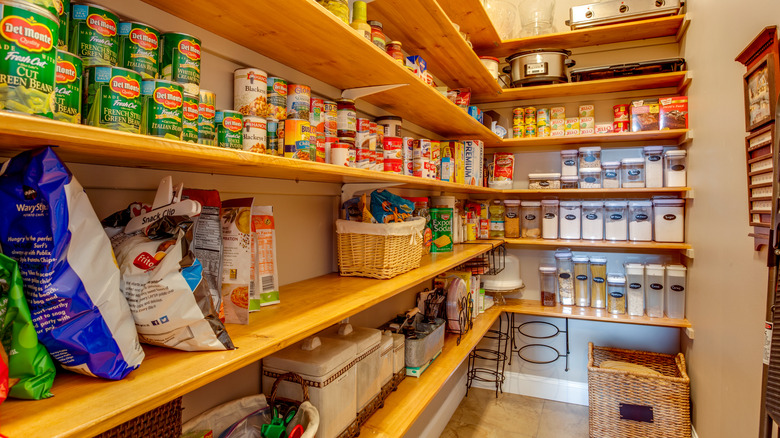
387, 207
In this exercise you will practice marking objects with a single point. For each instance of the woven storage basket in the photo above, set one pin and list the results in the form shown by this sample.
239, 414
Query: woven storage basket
379, 250
161, 422
664, 400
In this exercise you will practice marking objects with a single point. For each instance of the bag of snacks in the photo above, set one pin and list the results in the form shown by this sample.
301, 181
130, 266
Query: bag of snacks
503, 170
387, 207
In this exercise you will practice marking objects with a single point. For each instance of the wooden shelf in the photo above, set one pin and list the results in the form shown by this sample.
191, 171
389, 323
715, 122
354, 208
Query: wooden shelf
406, 404
85, 406
596, 245
596, 193
614, 33
672, 136
305, 36
676, 80
473, 19
533, 307
424, 29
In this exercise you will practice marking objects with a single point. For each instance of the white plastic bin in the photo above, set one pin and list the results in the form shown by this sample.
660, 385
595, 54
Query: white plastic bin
549, 218
632, 172
675, 168
675, 291
615, 220
590, 178
654, 290
610, 174
368, 359
593, 220
569, 162
654, 166
669, 220
570, 218
640, 221
635, 288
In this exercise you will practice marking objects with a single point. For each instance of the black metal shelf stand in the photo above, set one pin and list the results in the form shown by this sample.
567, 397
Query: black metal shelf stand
519, 330
496, 354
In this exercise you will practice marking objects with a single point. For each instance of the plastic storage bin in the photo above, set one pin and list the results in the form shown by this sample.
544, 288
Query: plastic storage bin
598, 282
547, 276
675, 171
675, 291
593, 220
570, 182
654, 290
590, 178
654, 167
511, 218
610, 174
581, 280
496, 215
632, 172
635, 288
550, 219
615, 220
541, 181
569, 162
640, 221
531, 221
563, 261
616, 294
590, 157
570, 218
367, 359
669, 217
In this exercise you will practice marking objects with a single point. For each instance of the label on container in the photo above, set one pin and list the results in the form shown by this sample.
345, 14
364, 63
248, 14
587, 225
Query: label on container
670, 217
678, 167
564, 275
67, 101
634, 172
496, 225
598, 279
547, 216
635, 286
93, 37
616, 294
569, 163
591, 216
538, 68
441, 226
656, 286
641, 217
570, 217
677, 288
530, 217
654, 158
581, 277
181, 60
589, 179
610, 174
590, 158
616, 217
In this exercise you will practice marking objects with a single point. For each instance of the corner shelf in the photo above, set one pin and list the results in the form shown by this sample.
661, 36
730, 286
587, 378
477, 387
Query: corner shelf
473, 19
669, 137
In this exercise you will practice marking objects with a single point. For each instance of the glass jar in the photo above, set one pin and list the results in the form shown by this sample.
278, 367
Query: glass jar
674, 168
590, 178
570, 219
598, 282
511, 218
563, 261
531, 219
654, 168
635, 288
640, 221
346, 118
541, 181
632, 172
339, 8
394, 50
593, 220
378, 34
616, 294
581, 272
496, 211
550, 219
547, 275
359, 22
615, 222
570, 182
654, 290
569, 162
590, 156
610, 174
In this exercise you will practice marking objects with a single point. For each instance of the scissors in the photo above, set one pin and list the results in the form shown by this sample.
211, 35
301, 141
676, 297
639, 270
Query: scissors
279, 423
297, 432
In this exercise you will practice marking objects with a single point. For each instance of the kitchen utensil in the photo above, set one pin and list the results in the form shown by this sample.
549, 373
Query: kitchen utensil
296, 432
456, 296
539, 66
631, 69
620, 11
536, 17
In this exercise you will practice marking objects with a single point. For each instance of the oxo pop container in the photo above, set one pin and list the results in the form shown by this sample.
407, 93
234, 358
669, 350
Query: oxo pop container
632, 172
654, 290
590, 157
654, 166
675, 291
610, 177
570, 219
635, 288
668, 224
569, 162
593, 220
674, 168
615, 220
367, 360
328, 367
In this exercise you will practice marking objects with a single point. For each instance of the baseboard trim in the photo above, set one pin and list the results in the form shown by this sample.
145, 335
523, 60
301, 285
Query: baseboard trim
542, 387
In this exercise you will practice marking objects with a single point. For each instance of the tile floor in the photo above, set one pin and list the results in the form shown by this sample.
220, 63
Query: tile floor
482, 415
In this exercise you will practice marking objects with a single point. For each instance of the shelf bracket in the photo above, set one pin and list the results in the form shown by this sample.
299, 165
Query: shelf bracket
687, 138
348, 191
357, 93
689, 332
688, 253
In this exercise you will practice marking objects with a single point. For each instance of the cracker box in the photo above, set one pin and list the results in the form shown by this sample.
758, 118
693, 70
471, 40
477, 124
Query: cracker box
673, 112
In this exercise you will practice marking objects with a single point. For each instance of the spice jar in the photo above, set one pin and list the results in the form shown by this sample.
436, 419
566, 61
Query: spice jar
394, 50
377, 34
615, 223
570, 219
616, 294
339, 8
640, 221
570, 182
610, 174
654, 168
632, 172
569, 162
531, 219
550, 219
674, 168
346, 118
547, 275
593, 220
512, 218
581, 268
563, 261
496, 211
635, 288
654, 290
598, 279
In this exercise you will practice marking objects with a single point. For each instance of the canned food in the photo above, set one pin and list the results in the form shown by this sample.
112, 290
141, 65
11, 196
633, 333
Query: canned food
542, 117
277, 98
393, 155
255, 134
317, 122
274, 137
189, 123
63, 14
422, 158
352, 151
180, 60
207, 128
298, 102
518, 131
163, 109
530, 111
518, 119
230, 125
530, 130
28, 58
346, 118
519, 111
67, 106
407, 151
93, 34
250, 92
621, 113
529, 119
329, 142
339, 154
375, 157
54, 7
543, 131
139, 48
362, 144
620, 127
330, 113
112, 98
297, 139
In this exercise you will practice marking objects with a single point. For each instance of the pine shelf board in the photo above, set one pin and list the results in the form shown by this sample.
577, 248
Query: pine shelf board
425, 30
84, 406
605, 140
601, 86
599, 244
473, 19
645, 192
306, 37
535, 308
406, 404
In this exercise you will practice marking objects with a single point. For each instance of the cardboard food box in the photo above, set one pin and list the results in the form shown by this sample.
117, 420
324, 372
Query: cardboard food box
673, 112
644, 115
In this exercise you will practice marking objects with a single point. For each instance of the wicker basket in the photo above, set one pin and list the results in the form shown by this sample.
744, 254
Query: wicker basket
379, 250
633, 405
161, 422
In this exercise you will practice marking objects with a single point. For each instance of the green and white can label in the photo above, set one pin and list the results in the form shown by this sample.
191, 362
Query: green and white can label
230, 125
93, 35
63, 13
190, 120
163, 113
28, 58
441, 225
180, 60
112, 98
139, 48
67, 105
207, 128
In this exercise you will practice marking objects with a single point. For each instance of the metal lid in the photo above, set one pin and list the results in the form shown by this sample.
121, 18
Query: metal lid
375, 23
395, 43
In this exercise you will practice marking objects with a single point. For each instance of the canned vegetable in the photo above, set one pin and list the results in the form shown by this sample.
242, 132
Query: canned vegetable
254, 134
207, 128
189, 125
230, 125
274, 141
139, 48
64, 19
93, 34
250, 92
277, 98
163, 113
67, 107
112, 98
180, 60
296, 139
298, 102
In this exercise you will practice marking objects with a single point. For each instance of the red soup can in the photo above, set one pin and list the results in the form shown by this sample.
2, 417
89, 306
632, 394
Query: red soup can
393, 155
621, 113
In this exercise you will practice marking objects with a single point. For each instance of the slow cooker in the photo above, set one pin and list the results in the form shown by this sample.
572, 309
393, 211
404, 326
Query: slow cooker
539, 66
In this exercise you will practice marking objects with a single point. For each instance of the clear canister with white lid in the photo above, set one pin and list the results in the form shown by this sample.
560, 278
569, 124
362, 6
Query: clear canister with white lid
616, 294
570, 219
590, 178
674, 168
615, 221
675, 291
654, 167
590, 156
549, 218
547, 276
569, 162
563, 261
570, 182
632, 172
531, 220
541, 181
511, 218
581, 280
598, 282
593, 220
640, 221
635, 288
654, 290
610, 174
669, 215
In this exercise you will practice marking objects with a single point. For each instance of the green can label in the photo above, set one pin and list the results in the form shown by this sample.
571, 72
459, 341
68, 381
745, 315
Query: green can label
113, 98
190, 119
67, 105
163, 113
54, 7
93, 37
64, 16
441, 225
139, 48
27, 61
181, 60
207, 128
229, 129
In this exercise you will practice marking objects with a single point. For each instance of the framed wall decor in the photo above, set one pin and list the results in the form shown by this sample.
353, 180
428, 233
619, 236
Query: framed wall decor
760, 94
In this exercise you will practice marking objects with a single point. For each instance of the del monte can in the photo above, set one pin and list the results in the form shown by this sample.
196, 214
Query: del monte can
68, 88
112, 98
163, 109
28, 57
189, 123
93, 34
230, 125
180, 60
207, 111
139, 48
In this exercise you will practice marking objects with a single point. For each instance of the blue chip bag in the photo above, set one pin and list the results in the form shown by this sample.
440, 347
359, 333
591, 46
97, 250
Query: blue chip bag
71, 280
387, 207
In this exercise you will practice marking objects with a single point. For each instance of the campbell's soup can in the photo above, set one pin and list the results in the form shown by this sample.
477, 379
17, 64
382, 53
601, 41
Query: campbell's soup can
298, 102
352, 152
393, 155
274, 137
621, 113
339, 154
163, 109
620, 127
207, 112
139, 48
67, 96
255, 134
93, 35
329, 142
276, 90
230, 126
63, 15
330, 114
422, 158
297, 143
112, 98
180, 60
407, 154
189, 123
250, 91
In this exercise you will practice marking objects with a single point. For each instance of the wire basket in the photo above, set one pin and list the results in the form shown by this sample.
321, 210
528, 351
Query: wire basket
488, 263
379, 250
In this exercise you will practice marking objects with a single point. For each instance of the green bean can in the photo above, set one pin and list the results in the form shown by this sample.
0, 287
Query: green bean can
230, 125
112, 98
28, 58
52, 6
163, 109
93, 34
63, 11
139, 48
207, 128
190, 119
67, 100
441, 225
180, 60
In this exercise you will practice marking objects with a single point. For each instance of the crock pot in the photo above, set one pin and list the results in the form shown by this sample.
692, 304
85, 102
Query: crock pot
539, 66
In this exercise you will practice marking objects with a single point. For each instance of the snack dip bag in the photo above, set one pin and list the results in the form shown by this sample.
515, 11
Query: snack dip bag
71, 280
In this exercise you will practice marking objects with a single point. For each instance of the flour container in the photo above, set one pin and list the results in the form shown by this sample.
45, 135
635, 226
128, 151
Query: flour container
674, 168
632, 172
615, 221
571, 217
386, 358
654, 290
640, 221
675, 291
368, 359
593, 220
669, 215
654, 167
563, 261
610, 174
635, 288
569, 162
549, 218
327, 367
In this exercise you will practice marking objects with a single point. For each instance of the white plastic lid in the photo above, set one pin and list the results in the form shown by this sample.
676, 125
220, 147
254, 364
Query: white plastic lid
549, 202
671, 202
563, 254
654, 269
590, 170
548, 269
592, 203
600, 260
590, 149
640, 204
570, 203
616, 279
570, 178
634, 268
513, 202
653, 149
615, 204
569, 153
679, 268
580, 259
632, 161
675, 153
531, 204
610, 164
544, 176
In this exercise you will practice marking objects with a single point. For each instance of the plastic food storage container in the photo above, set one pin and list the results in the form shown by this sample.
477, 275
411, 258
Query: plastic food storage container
569, 162
654, 167
570, 182
549, 218
615, 220
654, 290
537, 181
590, 178
635, 288
563, 261
570, 219
640, 221
610, 174
330, 364
590, 157
592, 220
674, 168
632, 172
598, 282
386, 358
669, 215
547, 275
511, 218
531, 221
616, 294
675, 291
581, 280
368, 359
